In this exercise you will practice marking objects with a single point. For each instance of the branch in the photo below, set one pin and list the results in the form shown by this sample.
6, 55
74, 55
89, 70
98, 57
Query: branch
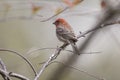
6, 77
51, 58
24, 58
97, 28
11, 74
3, 65
111, 23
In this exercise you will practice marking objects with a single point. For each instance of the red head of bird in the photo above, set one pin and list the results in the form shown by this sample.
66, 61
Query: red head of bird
61, 21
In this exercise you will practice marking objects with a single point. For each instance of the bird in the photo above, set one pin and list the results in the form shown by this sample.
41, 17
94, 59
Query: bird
65, 33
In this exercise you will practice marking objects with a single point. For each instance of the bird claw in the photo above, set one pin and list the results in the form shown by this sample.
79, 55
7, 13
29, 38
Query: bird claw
60, 47
83, 36
81, 33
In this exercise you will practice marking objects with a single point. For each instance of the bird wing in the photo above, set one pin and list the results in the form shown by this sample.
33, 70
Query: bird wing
65, 33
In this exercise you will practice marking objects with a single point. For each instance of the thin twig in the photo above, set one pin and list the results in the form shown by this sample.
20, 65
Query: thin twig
58, 13
111, 23
55, 15
32, 51
72, 52
85, 72
96, 28
11, 74
3, 67
52, 57
4, 74
24, 58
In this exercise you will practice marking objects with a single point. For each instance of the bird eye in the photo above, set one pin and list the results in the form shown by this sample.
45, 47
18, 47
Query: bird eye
57, 22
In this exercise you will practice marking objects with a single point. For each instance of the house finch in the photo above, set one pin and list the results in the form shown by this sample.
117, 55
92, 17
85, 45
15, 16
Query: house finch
65, 33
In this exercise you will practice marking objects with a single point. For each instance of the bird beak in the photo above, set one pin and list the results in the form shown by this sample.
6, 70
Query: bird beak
54, 23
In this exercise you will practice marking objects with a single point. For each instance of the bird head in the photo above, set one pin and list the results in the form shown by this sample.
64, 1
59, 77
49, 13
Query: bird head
59, 21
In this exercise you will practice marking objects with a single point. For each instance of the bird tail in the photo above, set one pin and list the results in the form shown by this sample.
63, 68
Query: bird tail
74, 46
